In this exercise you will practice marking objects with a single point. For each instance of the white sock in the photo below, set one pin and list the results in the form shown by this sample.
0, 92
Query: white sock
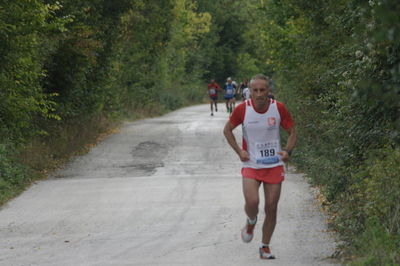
262, 245
252, 221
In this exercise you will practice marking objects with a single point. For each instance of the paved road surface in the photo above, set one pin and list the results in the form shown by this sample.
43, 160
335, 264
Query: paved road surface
163, 191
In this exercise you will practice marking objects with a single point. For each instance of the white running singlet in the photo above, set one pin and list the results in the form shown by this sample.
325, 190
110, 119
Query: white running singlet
246, 93
261, 136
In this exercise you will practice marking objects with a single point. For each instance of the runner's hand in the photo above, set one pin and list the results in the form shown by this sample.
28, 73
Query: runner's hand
244, 156
284, 156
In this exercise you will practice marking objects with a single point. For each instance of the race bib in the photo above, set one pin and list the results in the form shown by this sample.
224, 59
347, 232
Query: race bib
229, 91
267, 152
212, 91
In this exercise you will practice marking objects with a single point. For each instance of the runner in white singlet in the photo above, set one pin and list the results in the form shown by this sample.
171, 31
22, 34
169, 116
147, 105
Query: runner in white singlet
262, 155
246, 94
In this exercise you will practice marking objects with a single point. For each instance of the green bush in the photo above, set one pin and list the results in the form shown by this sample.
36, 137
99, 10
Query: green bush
13, 176
24, 26
376, 189
377, 246
171, 100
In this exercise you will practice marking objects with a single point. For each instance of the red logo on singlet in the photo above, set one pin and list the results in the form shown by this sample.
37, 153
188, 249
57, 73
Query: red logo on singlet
271, 121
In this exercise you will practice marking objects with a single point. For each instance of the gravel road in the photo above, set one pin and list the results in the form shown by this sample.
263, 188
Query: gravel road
162, 191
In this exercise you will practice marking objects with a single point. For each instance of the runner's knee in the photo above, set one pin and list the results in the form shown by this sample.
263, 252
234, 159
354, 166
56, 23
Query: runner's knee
252, 201
271, 207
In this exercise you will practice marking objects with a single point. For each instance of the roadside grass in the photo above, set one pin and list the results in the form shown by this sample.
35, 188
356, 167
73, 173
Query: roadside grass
376, 246
366, 215
13, 176
67, 139
42, 155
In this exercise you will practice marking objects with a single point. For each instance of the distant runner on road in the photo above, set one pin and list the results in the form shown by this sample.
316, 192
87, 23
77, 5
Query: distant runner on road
262, 156
235, 94
242, 87
212, 90
230, 90
246, 94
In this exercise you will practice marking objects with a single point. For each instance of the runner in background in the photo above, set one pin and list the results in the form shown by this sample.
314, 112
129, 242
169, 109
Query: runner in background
246, 94
235, 95
272, 85
242, 86
212, 90
229, 89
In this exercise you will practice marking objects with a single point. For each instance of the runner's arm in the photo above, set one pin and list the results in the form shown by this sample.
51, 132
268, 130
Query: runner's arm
291, 139
230, 137
291, 142
288, 124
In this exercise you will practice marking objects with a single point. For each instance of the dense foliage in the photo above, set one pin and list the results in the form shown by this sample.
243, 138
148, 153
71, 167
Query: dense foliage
68, 64
69, 67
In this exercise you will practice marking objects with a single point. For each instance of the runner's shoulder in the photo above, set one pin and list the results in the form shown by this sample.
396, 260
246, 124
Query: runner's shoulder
242, 104
241, 108
281, 106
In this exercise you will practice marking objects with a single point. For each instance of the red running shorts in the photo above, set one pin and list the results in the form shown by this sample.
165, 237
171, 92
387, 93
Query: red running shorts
274, 175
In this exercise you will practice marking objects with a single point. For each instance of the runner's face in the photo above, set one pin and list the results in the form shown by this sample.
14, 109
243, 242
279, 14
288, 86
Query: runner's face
259, 91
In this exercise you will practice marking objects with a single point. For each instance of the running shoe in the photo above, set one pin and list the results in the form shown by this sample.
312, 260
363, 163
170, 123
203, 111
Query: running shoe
247, 232
265, 253
212, 114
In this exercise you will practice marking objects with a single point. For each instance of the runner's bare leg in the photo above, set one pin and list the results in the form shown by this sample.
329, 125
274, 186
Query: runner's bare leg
251, 197
272, 194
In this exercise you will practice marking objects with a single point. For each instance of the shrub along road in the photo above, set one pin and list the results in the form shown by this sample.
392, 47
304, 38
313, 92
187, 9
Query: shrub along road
162, 191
